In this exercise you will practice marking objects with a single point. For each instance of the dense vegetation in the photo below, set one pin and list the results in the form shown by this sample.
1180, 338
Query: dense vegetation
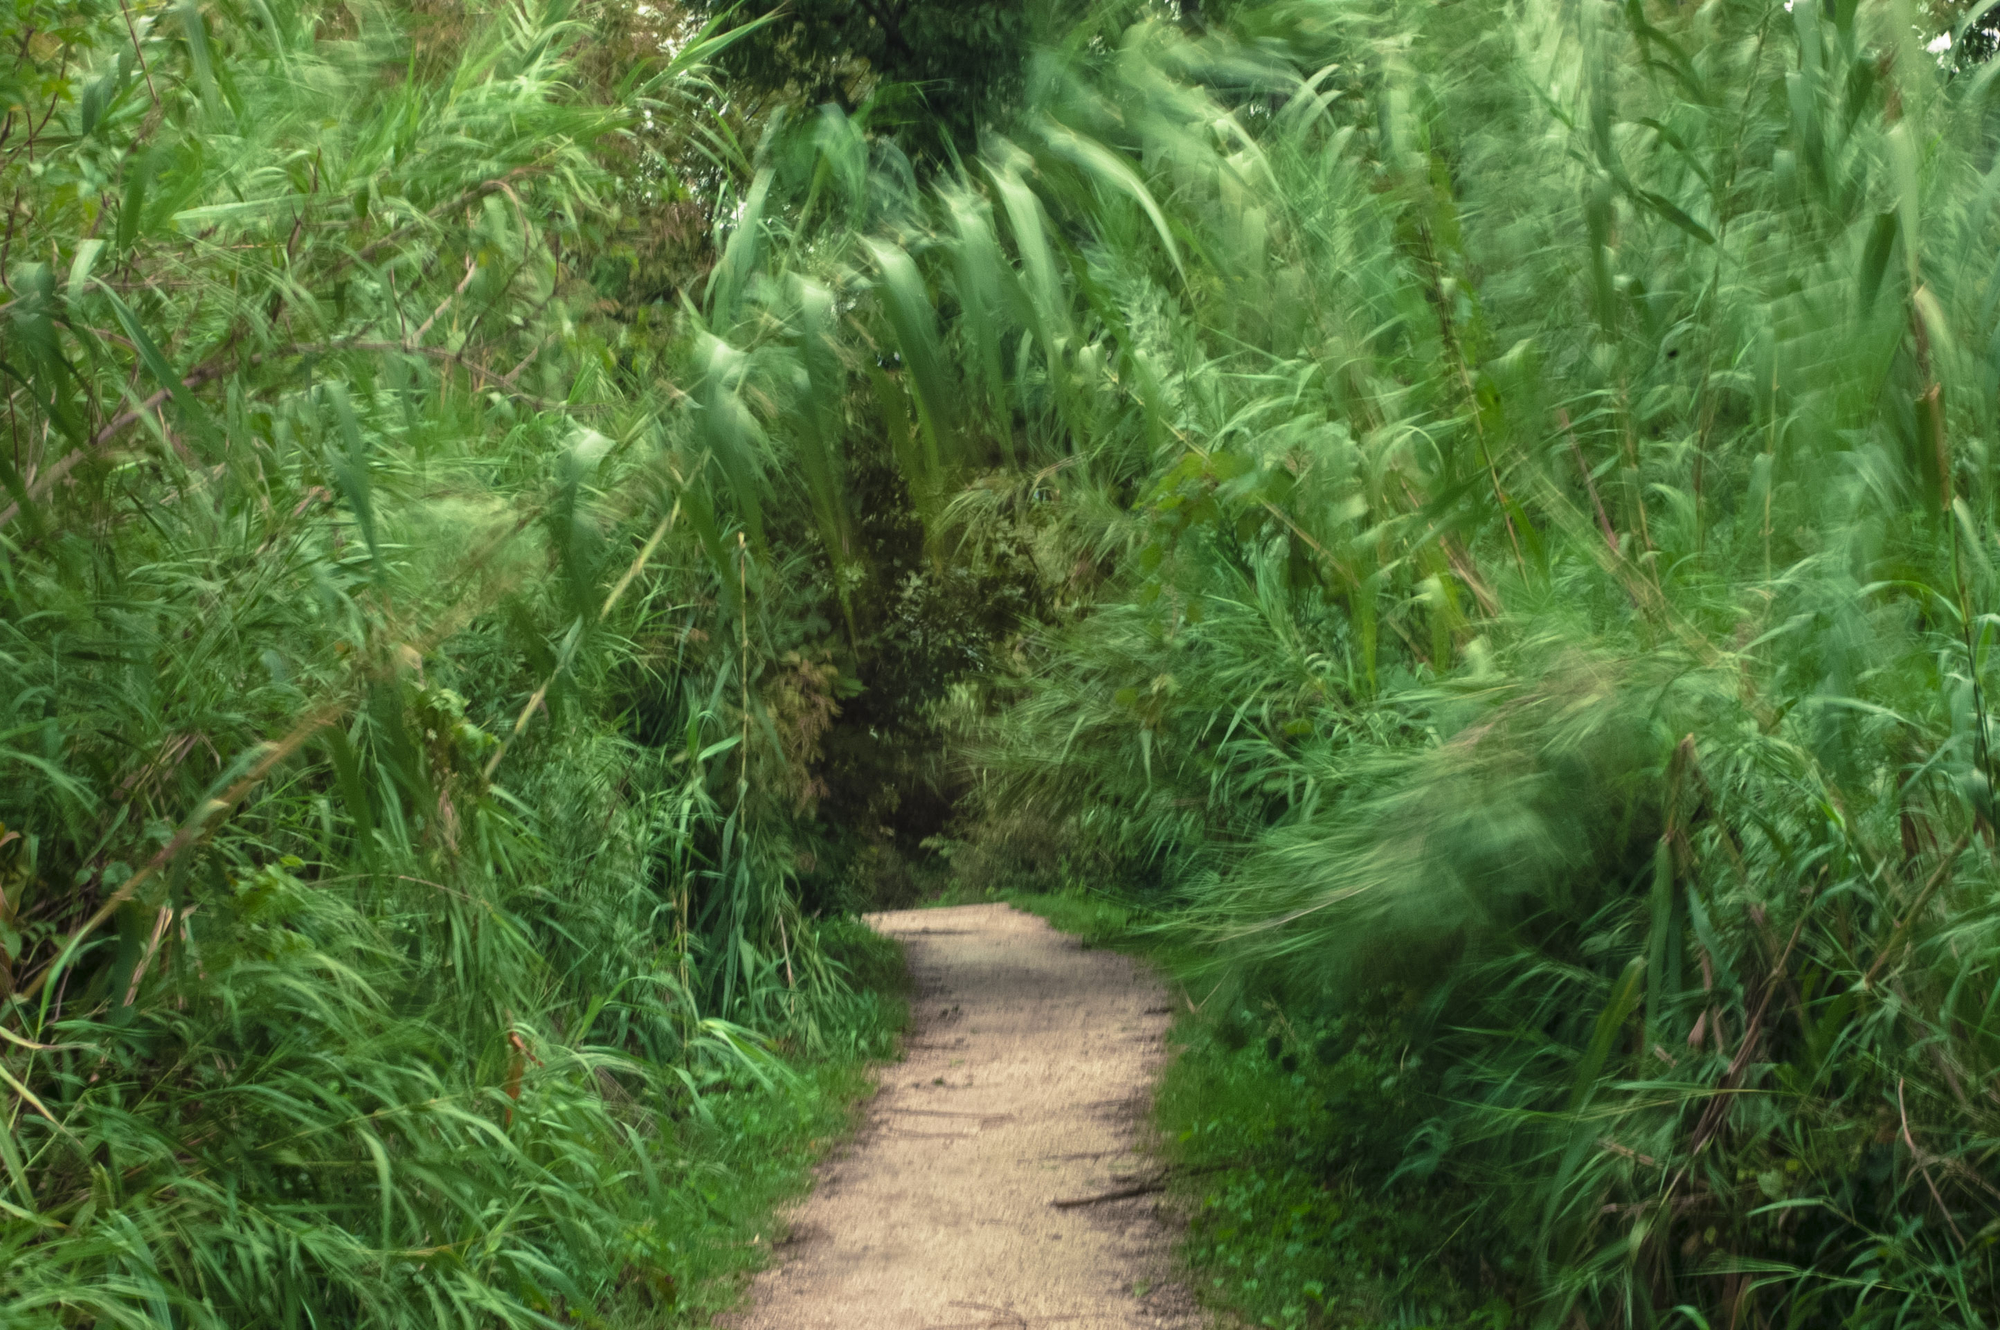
1478, 517
400, 918
1546, 502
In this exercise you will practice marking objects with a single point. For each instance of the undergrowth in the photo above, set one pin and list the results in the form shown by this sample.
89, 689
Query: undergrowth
753, 1147
1286, 1135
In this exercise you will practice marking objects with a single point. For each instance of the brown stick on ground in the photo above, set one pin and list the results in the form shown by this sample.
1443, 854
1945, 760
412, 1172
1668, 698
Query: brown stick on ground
1146, 1188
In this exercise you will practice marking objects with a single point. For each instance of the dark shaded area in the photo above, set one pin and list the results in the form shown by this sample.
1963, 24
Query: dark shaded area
922, 624
952, 65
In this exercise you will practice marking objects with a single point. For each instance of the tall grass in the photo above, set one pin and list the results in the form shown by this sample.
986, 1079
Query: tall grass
399, 765
1512, 487
1559, 588
1505, 494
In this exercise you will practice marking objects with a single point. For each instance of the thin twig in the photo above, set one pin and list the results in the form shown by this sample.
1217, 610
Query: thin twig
191, 830
1589, 481
610, 601
1930, 887
139, 49
45, 480
1923, 1167
471, 268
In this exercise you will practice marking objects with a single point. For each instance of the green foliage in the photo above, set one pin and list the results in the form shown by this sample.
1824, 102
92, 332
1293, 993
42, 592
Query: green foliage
1096, 920
1284, 1135
1502, 498
1531, 469
398, 833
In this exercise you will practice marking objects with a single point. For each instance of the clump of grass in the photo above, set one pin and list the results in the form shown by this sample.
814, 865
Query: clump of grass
1283, 1136
1098, 921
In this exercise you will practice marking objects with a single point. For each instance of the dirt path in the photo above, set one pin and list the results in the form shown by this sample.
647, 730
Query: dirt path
1030, 1062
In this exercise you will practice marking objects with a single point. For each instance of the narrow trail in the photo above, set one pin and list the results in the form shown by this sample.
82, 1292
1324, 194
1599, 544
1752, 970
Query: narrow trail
1029, 1069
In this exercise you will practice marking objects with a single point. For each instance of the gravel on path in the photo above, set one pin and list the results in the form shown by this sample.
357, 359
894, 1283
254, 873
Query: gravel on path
1028, 1071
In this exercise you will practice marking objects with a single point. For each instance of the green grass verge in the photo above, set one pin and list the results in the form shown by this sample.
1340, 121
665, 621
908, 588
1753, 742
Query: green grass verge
1095, 920
1281, 1138
754, 1148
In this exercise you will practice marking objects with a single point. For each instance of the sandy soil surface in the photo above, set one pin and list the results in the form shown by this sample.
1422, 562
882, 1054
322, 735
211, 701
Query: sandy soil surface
1029, 1066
